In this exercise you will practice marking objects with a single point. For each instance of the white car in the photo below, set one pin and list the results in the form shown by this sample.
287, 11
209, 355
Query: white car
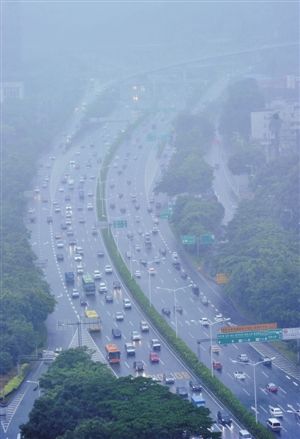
144, 326
108, 269
119, 316
204, 321
151, 271
135, 336
75, 293
276, 412
97, 275
130, 349
90, 206
239, 375
60, 244
79, 269
243, 358
219, 317
138, 274
102, 287
77, 258
126, 303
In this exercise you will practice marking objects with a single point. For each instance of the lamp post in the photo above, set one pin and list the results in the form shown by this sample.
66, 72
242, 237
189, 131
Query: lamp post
174, 290
149, 282
254, 379
210, 336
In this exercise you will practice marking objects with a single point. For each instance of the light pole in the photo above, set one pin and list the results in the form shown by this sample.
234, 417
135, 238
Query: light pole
210, 336
149, 282
254, 379
174, 290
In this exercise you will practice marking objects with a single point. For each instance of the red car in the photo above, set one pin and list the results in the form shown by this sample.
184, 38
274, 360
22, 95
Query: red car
154, 357
271, 387
217, 365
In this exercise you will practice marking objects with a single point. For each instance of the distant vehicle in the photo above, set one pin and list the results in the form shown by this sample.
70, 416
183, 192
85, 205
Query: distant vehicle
244, 434
75, 293
59, 257
138, 274
204, 300
92, 320
274, 424
130, 349
195, 289
183, 275
49, 219
276, 412
151, 271
116, 285
219, 318
215, 349
163, 251
224, 418
119, 316
168, 379
271, 387
155, 344
195, 387
69, 278
154, 357
217, 365
135, 336
77, 258
97, 275
100, 254
144, 326
267, 361
108, 269
83, 302
88, 284
138, 366
197, 400
243, 358
113, 353
102, 287
204, 321
182, 392
116, 333
178, 309
166, 312
127, 303
239, 375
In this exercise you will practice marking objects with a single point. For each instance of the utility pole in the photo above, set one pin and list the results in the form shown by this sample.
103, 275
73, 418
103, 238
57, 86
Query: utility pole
79, 324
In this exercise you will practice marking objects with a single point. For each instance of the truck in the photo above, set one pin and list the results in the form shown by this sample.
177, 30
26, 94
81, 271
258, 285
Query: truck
92, 320
88, 284
69, 277
113, 353
197, 400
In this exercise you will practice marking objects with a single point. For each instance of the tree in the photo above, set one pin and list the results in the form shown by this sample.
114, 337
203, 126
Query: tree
84, 400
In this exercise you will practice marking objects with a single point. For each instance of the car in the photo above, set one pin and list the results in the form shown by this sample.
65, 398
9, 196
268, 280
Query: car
137, 248
219, 317
90, 206
224, 418
244, 434
116, 333
183, 275
168, 379
63, 226
195, 289
271, 387
60, 244
274, 424
215, 349
217, 365
195, 387
144, 326
119, 316
151, 271
135, 336
128, 254
127, 303
204, 321
100, 254
97, 275
83, 302
157, 259
155, 344
49, 219
154, 357
75, 293
243, 358
178, 309
108, 269
163, 251
94, 231
77, 258
182, 392
79, 269
102, 287
204, 300
138, 366
129, 235
239, 375
143, 262
154, 230
137, 274
276, 412
79, 250
81, 220
116, 285
266, 361
59, 257
109, 298
130, 349
166, 311
72, 242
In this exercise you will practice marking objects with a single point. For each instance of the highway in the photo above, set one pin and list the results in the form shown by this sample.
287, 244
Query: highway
132, 172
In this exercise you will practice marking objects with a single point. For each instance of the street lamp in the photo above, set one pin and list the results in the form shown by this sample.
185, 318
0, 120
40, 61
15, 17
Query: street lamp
210, 336
254, 379
174, 290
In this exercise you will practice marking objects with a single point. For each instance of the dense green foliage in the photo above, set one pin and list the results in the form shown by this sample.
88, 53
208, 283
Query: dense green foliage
83, 399
27, 127
243, 97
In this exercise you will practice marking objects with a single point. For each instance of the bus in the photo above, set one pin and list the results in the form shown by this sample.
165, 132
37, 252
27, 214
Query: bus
88, 284
92, 320
113, 353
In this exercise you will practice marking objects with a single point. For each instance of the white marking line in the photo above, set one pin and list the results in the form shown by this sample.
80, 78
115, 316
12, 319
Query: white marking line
282, 390
263, 409
191, 335
246, 391
264, 373
295, 384
288, 377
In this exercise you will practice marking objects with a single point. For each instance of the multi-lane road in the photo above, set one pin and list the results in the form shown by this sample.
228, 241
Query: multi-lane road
130, 177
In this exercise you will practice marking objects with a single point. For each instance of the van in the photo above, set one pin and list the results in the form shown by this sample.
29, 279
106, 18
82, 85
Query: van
274, 424
244, 434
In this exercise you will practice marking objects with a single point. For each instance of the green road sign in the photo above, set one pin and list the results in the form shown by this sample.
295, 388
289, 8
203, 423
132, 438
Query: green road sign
166, 213
207, 239
188, 239
249, 336
119, 224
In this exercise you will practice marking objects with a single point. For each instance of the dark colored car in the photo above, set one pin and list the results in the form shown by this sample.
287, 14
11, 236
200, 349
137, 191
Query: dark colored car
100, 254
163, 251
138, 366
109, 298
182, 392
224, 418
195, 387
60, 257
116, 333
195, 289
166, 312
116, 285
